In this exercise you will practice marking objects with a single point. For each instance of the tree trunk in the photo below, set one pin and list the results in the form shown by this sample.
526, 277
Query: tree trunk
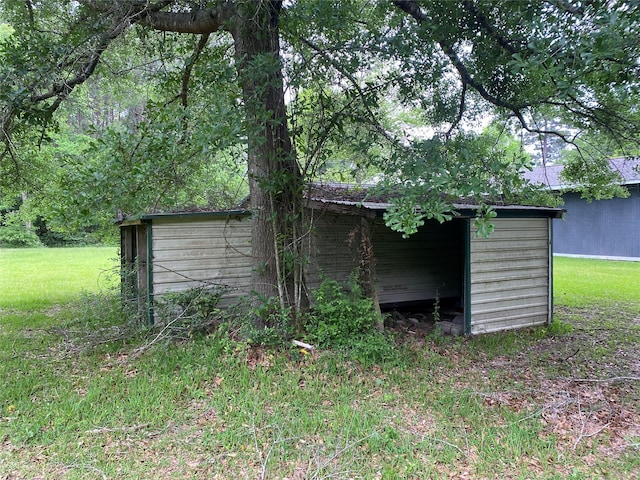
368, 268
275, 183
27, 224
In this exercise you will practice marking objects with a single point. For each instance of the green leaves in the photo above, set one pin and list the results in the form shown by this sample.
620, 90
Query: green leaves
593, 178
482, 222
15, 231
404, 217
427, 180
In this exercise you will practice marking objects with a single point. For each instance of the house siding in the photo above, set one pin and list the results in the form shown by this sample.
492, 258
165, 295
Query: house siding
600, 228
510, 276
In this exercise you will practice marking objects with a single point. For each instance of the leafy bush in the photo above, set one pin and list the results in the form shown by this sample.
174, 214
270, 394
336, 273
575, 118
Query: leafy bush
196, 306
342, 317
14, 233
261, 321
339, 313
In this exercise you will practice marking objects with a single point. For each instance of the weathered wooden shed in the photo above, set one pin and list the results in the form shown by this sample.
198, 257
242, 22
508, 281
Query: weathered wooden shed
497, 283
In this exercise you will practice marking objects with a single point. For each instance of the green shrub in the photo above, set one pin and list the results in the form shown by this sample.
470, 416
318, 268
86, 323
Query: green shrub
268, 324
342, 317
14, 233
339, 314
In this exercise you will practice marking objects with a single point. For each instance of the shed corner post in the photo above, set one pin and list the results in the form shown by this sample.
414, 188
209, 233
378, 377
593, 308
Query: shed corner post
126, 262
551, 303
149, 272
467, 276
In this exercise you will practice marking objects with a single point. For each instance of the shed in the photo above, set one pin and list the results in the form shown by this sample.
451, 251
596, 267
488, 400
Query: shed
496, 283
600, 228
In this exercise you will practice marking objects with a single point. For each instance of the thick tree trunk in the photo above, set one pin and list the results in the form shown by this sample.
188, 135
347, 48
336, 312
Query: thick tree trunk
274, 177
275, 182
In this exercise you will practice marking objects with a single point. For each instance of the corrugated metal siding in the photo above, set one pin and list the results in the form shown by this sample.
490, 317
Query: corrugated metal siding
333, 248
510, 275
193, 253
425, 266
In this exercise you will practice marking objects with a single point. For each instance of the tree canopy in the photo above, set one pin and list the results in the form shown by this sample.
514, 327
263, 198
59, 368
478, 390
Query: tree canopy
401, 87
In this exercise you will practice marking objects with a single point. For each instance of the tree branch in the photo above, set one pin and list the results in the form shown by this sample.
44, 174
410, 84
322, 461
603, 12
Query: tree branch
62, 90
461, 108
483, 21
186, 76
413, 9
603, 380
198, 21
29, 6
147, 14
361, 93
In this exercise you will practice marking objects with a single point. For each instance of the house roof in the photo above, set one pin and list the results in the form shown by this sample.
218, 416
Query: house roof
549, 175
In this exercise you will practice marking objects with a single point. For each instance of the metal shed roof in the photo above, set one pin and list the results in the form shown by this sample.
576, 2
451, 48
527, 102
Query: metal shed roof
364, 208
349, 199
464, 209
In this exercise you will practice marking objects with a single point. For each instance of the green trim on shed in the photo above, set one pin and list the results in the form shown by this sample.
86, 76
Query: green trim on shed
150, 310
550, 317
467, 276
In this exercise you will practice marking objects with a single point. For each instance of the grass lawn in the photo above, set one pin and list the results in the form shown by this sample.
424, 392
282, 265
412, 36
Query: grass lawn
43, 277
78, 399
580, 282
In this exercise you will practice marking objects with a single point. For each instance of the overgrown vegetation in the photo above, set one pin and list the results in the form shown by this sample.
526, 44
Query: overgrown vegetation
341, 319
344, 318
85, 395
196, 306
